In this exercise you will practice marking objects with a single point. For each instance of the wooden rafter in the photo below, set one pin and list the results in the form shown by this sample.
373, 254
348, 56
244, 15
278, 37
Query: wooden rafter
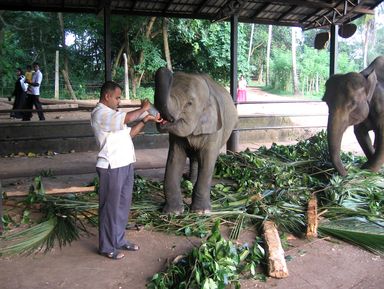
287, 12
313, 13
167, 6
259, 10
200, 7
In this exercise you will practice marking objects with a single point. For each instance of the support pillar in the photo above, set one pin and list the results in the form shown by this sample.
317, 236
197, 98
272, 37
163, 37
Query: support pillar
107, 43
333, 51
233, 141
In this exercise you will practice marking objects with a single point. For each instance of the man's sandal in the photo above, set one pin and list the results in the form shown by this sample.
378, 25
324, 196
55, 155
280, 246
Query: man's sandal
114, 255
130, 247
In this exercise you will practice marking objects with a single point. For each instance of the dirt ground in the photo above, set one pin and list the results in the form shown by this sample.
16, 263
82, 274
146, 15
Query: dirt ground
322, 263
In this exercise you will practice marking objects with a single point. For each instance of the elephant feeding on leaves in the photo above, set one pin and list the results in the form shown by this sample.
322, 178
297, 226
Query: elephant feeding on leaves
199, 115
357, 99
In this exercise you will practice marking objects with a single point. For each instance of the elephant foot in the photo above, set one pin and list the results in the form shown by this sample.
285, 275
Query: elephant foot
201, 209
170, 210
371, 167
202, 212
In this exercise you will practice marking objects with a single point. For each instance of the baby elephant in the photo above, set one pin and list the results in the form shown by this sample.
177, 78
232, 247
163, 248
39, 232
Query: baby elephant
357, 99
199, 115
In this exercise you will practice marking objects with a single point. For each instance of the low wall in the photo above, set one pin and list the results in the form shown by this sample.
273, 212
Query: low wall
66, 136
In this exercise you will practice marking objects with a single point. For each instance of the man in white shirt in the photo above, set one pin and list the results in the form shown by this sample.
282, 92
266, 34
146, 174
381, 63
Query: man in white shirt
33, 94
115, 166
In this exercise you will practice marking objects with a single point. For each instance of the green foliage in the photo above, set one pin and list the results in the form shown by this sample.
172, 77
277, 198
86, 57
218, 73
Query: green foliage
216, 264
145, 92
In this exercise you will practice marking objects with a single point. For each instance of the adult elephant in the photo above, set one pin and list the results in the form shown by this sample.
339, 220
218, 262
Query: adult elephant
199, 115
357, 99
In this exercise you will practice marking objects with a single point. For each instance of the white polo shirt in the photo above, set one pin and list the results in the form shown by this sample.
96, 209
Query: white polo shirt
113, 138
37, 77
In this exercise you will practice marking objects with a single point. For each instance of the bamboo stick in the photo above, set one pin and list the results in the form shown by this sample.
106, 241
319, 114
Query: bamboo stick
53, 191
277, 267
312, 218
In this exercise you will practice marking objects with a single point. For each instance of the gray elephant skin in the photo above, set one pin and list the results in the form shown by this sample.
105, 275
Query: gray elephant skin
357, 99
200, 116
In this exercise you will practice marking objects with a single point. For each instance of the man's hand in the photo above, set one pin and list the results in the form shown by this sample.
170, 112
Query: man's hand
150, 117
145, 104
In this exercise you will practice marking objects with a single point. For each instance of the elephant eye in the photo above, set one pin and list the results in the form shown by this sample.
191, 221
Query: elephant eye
189, 103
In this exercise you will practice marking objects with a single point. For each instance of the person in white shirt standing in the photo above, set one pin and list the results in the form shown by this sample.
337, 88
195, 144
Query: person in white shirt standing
33, 94
115, 166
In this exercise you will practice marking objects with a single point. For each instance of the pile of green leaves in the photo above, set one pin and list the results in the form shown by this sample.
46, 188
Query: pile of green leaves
62, 221
216, 263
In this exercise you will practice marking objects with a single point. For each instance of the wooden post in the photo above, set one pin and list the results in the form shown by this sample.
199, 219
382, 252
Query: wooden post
107, 42
333, 51
126, 80
57, 75
233, 141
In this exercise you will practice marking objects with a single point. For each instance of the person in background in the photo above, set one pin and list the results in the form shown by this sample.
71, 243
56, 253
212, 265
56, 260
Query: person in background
115, 166
242, 90
33, 94
28, 73
19, 93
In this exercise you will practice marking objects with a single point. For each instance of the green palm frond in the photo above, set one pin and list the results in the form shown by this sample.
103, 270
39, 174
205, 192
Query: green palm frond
28, 240
359, 231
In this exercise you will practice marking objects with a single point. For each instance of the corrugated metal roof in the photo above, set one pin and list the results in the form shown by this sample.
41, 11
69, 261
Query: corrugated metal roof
305, 14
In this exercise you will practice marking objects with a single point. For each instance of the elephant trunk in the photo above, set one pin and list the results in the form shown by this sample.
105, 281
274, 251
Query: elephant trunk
335, 130
163, 83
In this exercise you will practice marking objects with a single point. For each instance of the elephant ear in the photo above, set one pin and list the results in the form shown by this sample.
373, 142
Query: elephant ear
371, 85
210, 119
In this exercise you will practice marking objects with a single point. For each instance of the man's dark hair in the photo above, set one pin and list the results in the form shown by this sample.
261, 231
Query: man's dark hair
36, 63
19, 69
108, 86
29, 66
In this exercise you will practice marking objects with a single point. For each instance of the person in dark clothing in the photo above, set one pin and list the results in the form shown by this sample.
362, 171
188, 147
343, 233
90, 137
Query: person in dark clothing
20, 94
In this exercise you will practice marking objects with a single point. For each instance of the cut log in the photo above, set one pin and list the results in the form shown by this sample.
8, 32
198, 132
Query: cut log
53, 191
277, 267
312, 218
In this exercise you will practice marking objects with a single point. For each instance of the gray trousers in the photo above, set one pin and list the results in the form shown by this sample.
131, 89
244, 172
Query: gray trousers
115, 197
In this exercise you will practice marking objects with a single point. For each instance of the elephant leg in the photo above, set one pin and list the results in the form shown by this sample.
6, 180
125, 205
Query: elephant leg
362, 136
173, 172
376, 161
193, 169
201, 202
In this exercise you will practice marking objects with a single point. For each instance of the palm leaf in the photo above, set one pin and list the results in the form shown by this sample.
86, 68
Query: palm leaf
27, 240
356, 230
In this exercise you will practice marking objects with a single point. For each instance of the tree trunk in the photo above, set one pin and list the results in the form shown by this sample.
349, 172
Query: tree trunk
250, 45
268, 53
295, 81
68, 84
65, 71
166, 44
117, 60
46, 74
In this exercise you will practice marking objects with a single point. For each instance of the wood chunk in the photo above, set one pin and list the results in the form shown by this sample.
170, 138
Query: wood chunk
277, 266
312, 218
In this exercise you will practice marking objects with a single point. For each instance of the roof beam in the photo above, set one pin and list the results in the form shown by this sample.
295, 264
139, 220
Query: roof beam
200, 7
167, 6
231, 7
347, 14
287, 12
258, 11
